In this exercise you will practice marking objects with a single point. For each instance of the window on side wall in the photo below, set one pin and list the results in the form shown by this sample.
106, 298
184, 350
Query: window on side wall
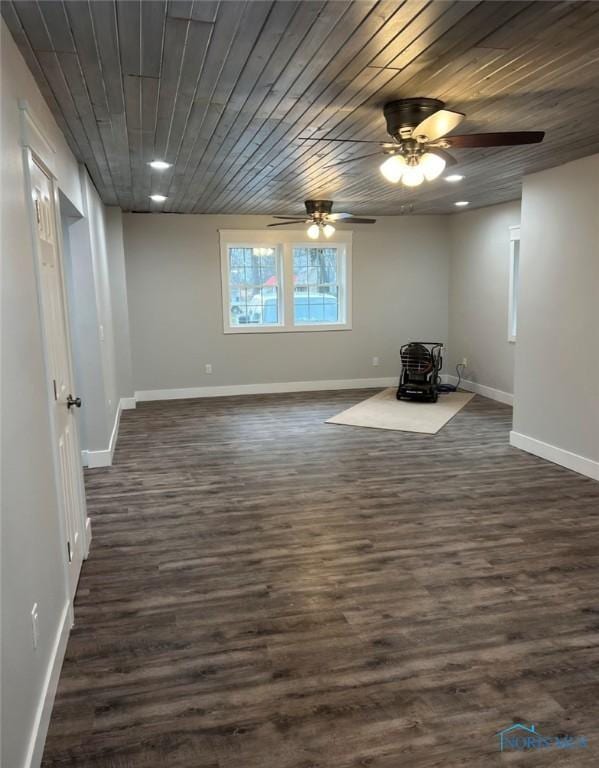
278, 282
513, 283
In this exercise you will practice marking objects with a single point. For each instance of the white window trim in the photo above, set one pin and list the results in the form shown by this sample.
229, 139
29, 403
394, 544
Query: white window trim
284, 241
512, 300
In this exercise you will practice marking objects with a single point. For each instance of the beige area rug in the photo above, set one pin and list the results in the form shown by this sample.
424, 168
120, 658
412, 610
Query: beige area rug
384, 411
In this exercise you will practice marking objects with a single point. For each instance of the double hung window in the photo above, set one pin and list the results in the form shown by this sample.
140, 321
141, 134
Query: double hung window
279, 282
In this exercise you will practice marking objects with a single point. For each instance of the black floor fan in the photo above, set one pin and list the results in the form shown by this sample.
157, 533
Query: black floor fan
421, 363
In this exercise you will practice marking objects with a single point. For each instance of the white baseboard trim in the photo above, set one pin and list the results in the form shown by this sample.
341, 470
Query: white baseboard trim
262, 389
560, 456
482, 389
46, 701
95, 459
103, 458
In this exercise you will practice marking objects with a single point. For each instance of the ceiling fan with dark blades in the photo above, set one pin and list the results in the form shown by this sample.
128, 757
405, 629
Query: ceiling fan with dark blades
419, 129
320, 218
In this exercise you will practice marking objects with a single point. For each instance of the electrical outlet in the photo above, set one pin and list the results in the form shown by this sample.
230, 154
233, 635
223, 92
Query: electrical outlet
101, 332
208, 367
35, 629
465, 362
375, 362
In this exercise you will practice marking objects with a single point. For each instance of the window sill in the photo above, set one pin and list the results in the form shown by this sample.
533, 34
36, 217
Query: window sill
289, 329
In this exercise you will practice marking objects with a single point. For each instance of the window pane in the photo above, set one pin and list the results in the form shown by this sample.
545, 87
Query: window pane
316, 285
254, 286
515, 282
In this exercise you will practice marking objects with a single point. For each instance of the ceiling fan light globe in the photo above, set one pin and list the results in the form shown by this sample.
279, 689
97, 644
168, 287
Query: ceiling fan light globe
329, 230
393, 168
313, 231
412, 176
431, 165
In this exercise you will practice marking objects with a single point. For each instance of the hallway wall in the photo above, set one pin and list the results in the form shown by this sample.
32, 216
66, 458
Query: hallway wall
479, 295
556, 413
99, 319
32, 551
115, 254
33, 554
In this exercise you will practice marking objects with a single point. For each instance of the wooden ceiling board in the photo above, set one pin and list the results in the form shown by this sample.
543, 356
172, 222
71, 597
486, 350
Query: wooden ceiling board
239, 70
250, 87
499, 153
262, 122
371, 120
225, 90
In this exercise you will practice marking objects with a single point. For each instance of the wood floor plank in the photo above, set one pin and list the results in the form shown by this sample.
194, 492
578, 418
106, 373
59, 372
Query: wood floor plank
265, 590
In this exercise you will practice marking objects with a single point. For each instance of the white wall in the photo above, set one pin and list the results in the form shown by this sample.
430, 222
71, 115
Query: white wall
557, 351
85, 339
96, 215
94, 264
32, 552
400, 277
79, 287
478, 295
113, 222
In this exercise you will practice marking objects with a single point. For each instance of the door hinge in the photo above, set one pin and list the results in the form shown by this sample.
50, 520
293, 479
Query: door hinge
55, 392
70, 554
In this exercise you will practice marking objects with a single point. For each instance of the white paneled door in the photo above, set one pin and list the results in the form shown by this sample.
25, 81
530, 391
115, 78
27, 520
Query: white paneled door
64, 404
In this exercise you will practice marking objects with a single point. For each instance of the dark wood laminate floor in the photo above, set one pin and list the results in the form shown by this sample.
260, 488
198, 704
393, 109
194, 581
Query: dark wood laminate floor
268, 591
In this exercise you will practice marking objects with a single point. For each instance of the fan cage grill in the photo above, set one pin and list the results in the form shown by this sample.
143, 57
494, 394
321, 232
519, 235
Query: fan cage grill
417, 359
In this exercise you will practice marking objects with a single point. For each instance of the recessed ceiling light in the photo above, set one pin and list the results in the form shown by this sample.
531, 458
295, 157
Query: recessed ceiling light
462, 203
453, 177
160, 165
158, 198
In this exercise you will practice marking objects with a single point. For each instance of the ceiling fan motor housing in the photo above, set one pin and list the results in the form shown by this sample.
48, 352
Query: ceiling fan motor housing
318, 208
408, 113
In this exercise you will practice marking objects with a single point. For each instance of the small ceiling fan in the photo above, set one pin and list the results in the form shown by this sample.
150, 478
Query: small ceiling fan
418, 128
320, 218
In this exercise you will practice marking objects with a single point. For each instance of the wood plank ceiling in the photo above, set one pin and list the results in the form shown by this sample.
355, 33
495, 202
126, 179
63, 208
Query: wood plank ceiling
223, 90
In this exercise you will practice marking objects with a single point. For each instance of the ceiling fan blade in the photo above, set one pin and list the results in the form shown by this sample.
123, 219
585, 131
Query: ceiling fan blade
353, 159
351, 141
286, 223
357, 220
339, 216
291, 218
506, 139
449, 159
438, 124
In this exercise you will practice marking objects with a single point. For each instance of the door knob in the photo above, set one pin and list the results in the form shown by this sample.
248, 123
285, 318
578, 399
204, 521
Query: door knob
73, 401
